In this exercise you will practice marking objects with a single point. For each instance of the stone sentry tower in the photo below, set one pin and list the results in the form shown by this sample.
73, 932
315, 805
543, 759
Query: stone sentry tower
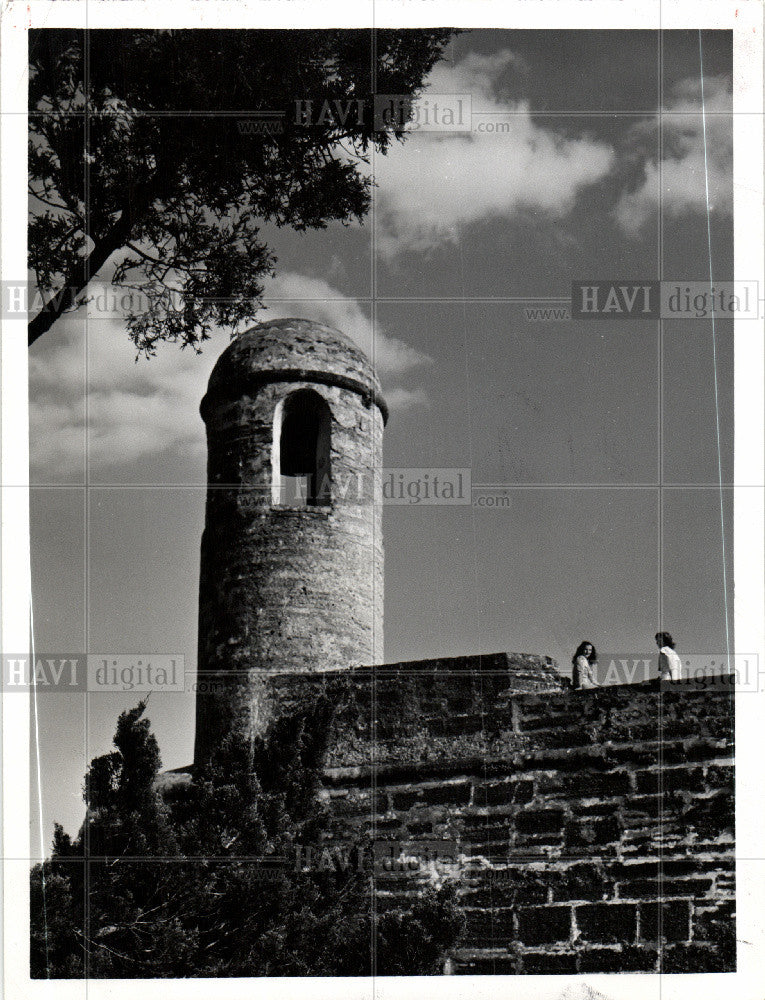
291, 576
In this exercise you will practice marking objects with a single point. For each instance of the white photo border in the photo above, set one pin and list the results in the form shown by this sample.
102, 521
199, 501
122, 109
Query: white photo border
745, 19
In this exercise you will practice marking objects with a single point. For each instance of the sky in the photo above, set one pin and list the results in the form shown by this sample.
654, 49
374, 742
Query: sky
596, 439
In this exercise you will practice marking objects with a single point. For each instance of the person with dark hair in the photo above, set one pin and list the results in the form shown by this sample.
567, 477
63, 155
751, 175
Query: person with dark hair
670, 664
584, 662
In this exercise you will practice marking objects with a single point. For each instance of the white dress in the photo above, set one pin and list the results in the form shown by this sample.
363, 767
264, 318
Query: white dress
670, 664
586, 672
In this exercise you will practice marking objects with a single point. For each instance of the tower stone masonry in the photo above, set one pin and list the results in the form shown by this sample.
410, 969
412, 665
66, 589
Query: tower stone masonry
291, 576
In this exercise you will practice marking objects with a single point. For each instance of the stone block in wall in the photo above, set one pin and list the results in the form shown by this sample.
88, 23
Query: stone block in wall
601, 808
674, 917
452, 793
714, 925
488, 829
720, 729
697, 958
419, 828
546, 963
500, 793
489, 928
621, 958
655, 868
711, 817
603, 923
664, 888
726, 880
721, 777
583, 881
540, 821
574, 759
669, 779
644, 807
583, 784
544, 924
508, 886
487, 965
634, 755
356, 802
592, 833
691, 751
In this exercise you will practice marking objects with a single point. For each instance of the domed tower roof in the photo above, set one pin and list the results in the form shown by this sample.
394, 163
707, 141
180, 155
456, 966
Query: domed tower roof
292, 350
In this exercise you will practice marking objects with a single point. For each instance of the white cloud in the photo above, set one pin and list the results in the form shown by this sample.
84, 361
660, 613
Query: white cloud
433, 184
682, 177
132, 409
400, 399
143, 409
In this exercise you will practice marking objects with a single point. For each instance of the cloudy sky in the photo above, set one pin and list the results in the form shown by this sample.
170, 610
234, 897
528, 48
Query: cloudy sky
573, 423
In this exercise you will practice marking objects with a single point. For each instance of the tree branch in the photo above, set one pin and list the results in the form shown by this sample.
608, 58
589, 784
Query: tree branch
77, 280
89, 266
52, 204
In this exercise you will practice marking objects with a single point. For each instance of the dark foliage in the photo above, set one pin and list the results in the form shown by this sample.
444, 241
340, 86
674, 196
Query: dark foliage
202, 880
167, 150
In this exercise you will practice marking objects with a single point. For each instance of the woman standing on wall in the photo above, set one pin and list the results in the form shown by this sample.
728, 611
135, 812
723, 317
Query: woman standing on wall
670, 664
585, 663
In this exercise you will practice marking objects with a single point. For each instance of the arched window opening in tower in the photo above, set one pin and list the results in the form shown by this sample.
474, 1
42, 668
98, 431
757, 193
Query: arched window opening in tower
304, 450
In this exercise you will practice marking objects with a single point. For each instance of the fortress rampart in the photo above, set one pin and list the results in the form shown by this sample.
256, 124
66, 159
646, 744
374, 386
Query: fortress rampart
588, 831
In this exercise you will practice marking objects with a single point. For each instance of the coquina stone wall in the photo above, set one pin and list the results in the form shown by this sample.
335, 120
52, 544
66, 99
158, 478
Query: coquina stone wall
584, 830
